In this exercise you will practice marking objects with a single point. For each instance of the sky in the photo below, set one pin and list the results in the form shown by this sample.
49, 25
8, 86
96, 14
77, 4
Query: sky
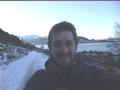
92, 19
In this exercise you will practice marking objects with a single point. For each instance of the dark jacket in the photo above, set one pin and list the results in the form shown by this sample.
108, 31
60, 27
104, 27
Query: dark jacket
78, 77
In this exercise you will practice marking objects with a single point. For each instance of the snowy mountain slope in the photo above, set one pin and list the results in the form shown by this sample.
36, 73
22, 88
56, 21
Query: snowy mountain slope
16, 74
34, 39
29, 37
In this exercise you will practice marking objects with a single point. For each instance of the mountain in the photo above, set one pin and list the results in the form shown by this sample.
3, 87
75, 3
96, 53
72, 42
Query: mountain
34, 39
6, 38
29, 37
82, 39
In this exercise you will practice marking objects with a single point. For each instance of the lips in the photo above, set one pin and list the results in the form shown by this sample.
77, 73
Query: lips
65, 58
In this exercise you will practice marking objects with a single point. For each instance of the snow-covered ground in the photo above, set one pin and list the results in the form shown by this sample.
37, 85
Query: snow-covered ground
15, 75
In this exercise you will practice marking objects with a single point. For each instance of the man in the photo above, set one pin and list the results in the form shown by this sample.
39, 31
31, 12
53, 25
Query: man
65, 70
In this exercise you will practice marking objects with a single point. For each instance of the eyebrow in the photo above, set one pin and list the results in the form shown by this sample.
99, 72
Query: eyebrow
56, 41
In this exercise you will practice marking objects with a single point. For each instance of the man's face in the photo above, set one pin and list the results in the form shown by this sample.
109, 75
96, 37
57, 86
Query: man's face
63, 48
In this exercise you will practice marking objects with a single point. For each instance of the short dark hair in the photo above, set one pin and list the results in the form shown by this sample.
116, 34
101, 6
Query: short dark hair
61, 27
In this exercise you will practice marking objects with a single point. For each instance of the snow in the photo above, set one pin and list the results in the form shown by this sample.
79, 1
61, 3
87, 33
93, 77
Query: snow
16, 74
29, 37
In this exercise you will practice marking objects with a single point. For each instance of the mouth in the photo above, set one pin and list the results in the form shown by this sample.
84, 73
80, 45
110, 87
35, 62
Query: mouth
64, 56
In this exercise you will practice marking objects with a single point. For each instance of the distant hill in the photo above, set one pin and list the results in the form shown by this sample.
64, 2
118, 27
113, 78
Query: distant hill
34, 39
7, 38
82, 39
29, 37
85, 40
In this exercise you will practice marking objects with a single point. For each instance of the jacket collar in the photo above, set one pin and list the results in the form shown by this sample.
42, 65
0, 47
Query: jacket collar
54, 68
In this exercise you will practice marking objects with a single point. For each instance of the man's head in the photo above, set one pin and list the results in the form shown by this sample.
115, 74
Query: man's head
62, 43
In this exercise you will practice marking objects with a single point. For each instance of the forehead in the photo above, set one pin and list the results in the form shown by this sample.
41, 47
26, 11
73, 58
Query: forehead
62, 36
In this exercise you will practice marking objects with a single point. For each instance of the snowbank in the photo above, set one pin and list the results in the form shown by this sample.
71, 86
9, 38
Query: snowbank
10, 53
16, 74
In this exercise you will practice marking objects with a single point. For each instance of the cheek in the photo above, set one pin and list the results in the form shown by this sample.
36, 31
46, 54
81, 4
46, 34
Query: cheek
72, 49
53, 52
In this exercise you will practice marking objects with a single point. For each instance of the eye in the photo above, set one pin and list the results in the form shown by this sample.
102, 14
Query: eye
56, 44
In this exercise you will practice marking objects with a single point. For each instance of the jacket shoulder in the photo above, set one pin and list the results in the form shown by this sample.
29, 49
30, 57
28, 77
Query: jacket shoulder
36, 81
90, 77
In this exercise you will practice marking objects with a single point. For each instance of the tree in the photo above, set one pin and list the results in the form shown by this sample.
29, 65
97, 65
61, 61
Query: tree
116, 45
117, 30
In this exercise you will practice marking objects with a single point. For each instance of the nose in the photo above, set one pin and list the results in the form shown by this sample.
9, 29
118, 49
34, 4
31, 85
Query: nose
64, 49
